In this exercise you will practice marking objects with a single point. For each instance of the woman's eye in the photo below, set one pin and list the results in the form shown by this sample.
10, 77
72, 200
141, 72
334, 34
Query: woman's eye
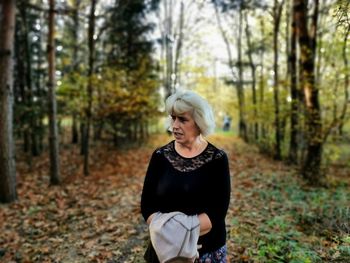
173, 117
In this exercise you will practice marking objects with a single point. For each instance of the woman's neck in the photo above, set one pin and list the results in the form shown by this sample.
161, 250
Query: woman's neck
191, 148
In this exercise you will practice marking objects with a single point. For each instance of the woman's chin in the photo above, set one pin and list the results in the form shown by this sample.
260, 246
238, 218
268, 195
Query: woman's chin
177, 139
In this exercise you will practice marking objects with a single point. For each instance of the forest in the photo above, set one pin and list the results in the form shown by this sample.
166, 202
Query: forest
82, 91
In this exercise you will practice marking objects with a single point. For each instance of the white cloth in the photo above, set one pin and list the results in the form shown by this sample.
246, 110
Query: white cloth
174, 236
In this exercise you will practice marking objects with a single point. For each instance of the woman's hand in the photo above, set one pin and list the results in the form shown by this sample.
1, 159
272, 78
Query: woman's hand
149, 219
205, 224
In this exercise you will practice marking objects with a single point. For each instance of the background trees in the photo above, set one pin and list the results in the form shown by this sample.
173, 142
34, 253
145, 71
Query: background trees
296, 115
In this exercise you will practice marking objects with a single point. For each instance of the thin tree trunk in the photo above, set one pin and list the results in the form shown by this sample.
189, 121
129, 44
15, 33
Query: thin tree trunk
19, 82
338, 122
75, 134
294, 116
163, 70
239, 83
241, 101
346, 82
75, 68
28, 80
8, 191
89, 86
277, 18
82, 136
252, 68
53, 136
179, 46
168, 5
311, 168
41, 87
262, 80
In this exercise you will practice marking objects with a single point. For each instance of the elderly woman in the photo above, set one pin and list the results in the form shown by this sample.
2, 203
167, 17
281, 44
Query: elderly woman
190, 175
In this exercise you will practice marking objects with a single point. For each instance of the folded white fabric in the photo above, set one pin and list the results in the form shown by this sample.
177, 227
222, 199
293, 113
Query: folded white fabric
174, 236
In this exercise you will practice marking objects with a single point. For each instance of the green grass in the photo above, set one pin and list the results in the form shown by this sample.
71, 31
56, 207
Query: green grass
298, 224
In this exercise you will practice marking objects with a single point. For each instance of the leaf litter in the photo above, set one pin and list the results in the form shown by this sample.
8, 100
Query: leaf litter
97, 218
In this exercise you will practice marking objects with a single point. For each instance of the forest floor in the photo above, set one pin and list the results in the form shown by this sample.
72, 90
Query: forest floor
273, 216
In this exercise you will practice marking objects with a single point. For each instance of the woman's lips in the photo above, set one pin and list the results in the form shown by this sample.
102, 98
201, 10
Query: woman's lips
177, 134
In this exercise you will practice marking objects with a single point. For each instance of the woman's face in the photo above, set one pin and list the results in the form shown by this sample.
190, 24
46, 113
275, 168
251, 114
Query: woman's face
185, 130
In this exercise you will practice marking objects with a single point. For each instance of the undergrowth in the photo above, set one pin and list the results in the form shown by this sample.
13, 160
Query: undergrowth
291, 222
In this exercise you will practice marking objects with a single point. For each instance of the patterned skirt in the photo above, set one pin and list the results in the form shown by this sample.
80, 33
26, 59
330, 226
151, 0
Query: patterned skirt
218, 256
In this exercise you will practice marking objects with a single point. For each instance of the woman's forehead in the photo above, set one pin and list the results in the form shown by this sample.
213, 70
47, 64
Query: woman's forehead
183, 114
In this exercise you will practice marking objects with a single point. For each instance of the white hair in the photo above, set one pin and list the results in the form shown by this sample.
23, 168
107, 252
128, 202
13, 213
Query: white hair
188, 101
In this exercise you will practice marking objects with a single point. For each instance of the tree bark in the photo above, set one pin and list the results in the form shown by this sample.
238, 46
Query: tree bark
252, 68
168, 5
294, 117
242, 127
277, 18
89, 85
53, 136
311, 168
346, 82
262, 74
241, 100
8, 191
179, 46
75, 67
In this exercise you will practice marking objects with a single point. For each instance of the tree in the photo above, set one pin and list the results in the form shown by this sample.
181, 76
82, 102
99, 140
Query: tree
240, 91
277, 11
91, 45
179, 46
294, 116
53, 137
242, 126
75, 62
344, 21
8, 191
253, 75
311, 168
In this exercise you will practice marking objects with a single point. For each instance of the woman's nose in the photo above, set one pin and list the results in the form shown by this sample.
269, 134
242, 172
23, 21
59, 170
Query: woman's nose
175, 123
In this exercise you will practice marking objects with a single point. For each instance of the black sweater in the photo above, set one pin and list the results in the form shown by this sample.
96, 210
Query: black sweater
190, 185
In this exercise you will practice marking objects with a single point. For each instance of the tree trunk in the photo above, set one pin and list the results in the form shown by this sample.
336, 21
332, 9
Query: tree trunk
168, 41
277, 18
8, 192
241, 101
53, 136
20, 85
262, 74
242, 127
89, 86
179, 47
252, 68
75, 67
311, 168
41, 87
338, 121
346, 82
28, 80
82, 136
75, 134
294, 117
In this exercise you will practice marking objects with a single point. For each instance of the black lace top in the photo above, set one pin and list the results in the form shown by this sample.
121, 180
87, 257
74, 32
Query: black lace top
190, 185
184, 164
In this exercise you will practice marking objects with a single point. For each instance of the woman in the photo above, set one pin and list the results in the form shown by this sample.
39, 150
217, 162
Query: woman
190, 175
